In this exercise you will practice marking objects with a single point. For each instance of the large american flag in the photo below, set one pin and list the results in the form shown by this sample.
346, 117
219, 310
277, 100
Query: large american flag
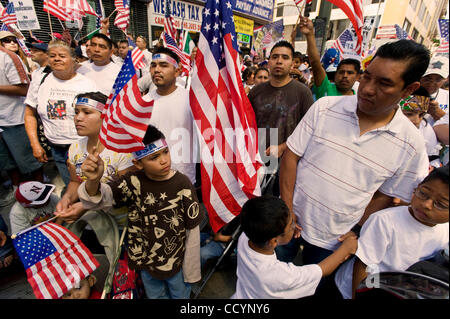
443, 32
353, 9
54, 259
51, 6
169, 26
122, 19
185, 59
229, 164
126, 114
8, 14
137, 55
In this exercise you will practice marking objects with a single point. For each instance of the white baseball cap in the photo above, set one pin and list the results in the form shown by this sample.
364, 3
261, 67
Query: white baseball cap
438, 65
30, 194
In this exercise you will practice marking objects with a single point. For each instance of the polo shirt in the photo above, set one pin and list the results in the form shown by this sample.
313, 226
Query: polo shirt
339, 170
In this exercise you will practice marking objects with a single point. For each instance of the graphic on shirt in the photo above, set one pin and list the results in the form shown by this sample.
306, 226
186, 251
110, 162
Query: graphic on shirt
56, 110
174, 221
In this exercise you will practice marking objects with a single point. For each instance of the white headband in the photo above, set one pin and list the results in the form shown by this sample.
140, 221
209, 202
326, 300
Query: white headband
150, 149
91, 103
165, 57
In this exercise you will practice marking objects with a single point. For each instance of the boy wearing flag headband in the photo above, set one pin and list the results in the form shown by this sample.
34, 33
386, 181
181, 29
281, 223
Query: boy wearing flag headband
163, 216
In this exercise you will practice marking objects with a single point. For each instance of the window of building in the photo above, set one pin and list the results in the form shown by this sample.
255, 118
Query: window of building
422, 10
280, 9
427, 20
421, 40
377, 1
415, 34
413, 4
406, 25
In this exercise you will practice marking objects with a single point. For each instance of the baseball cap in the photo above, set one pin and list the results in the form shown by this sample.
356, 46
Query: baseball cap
438, 65
30, 194
39, 46
5, 34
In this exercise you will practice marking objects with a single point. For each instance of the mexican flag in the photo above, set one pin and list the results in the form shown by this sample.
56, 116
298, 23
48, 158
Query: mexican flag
188, 43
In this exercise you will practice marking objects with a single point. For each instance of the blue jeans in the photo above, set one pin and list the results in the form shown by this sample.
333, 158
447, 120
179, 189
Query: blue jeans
60, 154
170, 288
209, 249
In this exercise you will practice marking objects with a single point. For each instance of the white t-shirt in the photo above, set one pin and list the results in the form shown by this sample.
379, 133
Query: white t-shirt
12, 109
392, 240
431, 142
262, 276
56, 109
32, 94
173, 117
24, 217
103, 76
339, 170
442, 99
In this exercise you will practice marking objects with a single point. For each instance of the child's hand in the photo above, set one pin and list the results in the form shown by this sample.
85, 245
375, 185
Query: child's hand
2, 238
93, 166
350, 244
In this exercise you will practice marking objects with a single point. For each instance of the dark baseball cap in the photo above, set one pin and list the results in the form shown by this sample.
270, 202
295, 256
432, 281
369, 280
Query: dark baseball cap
39, 46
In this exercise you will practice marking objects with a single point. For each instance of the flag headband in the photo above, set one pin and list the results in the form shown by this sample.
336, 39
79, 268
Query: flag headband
150, 149
165, 57
415, 103
91, 103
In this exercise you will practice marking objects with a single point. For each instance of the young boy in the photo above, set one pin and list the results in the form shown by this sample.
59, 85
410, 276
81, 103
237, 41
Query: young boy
84, 290
266, 223
163, 216
395, 238
35, 204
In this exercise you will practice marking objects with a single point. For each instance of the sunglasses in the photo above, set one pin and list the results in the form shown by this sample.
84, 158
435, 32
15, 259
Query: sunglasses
9, 40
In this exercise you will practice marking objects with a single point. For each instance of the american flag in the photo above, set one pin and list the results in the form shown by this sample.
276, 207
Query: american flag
100, 13
185, 59
4, 27
51, 6
401, 34
54, 258
169, 26
137, 55
443, 31
24, 47
229, 168
341, 41
8, 14
122, 19
126, 114
353, 9
298, 2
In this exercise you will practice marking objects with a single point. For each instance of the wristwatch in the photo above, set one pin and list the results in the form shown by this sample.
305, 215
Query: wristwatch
356, 229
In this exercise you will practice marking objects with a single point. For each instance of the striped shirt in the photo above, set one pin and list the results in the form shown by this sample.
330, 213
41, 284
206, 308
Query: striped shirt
339, 170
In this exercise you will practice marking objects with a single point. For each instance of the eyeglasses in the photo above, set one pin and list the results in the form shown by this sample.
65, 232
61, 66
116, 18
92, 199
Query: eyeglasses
9, 40
424, 196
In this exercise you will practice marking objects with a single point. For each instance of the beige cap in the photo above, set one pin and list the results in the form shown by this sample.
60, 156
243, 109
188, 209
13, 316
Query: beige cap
438, 65
5, 34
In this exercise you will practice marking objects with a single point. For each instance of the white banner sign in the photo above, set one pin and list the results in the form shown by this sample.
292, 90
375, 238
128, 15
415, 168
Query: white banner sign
26, 16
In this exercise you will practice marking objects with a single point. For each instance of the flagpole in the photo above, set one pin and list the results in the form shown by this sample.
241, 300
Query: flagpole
50, 22
90, 33
33, 227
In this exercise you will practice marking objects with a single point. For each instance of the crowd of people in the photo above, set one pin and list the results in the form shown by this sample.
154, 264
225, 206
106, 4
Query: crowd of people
362, 155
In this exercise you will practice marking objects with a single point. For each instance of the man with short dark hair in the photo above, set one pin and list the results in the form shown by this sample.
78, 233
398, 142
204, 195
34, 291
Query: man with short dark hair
346, 74
102, 70
280, 103
351, 155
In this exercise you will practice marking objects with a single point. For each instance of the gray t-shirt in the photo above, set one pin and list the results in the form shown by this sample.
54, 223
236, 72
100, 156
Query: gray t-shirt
12, 108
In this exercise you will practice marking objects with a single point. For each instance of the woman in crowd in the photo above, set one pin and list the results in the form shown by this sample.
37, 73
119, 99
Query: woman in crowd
9, 41
248, 76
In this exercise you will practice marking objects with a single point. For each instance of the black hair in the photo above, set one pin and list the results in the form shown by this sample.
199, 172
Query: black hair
114, 44
122, 41
283, 43
104, 37
264, 218
97, 96
441, 173
416, 54
356, 64
421, 91
248, 71
261, 68
167, 51
298, 55
152, 134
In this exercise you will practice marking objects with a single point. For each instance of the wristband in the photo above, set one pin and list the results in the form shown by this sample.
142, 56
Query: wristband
356, 229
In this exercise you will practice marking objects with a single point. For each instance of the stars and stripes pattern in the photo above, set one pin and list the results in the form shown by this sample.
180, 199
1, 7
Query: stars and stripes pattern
122, 20
126, 115
99, 10
51, 6
401, 34
341, 41
137, 55
169, 26
443, 31
54, 258
353, 9
185, 59
8, 14
229, 168
299, 2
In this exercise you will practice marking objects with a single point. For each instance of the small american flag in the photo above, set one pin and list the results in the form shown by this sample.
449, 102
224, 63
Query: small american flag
443, 31
353, 9
8, 14
126, 115
136, 55
100, 13
24, 47
54, 258
341, 41
169, 26
298, 2
401, 34
229, 169
122, 19
51, 6
185, 59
